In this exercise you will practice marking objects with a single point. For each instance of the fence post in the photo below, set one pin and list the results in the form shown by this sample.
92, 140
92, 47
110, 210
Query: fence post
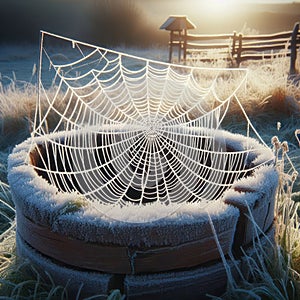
294, 49
239, 51
179, 45
233, 51
184, 44
171, 46
233, 43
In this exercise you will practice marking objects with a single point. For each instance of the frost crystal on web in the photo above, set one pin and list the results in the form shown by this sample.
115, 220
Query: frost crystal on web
135, 130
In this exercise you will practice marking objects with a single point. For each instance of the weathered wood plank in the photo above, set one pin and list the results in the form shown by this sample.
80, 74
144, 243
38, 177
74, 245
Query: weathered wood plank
127, 259
193, 284
272, 36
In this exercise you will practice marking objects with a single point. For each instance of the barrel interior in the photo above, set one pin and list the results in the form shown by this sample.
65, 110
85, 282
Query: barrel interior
89, 166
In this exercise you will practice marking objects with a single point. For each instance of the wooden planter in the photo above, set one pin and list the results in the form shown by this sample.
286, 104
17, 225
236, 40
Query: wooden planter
150, 259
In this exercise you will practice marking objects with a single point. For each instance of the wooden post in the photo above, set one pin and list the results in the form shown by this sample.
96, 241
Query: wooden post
294, 49
184, 44
171, 46
239, 52
233, 50
179, 45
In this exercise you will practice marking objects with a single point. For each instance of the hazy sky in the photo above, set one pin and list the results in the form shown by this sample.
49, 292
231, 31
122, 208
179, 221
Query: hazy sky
224, 15
248, 1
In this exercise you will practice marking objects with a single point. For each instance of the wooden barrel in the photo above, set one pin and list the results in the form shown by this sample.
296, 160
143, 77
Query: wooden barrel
52, 225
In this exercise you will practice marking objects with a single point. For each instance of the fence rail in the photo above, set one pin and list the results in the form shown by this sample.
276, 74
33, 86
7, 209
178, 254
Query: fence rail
236, 48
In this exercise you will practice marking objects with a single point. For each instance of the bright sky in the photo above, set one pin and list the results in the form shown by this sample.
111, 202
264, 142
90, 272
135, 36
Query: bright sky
216, 16
223, 6
229, 4
251, 1
160, 5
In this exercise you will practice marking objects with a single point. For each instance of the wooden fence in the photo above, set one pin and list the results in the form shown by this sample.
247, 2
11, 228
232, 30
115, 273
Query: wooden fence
236, 48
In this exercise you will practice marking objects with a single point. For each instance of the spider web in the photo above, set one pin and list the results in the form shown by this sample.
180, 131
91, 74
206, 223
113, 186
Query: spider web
130, 130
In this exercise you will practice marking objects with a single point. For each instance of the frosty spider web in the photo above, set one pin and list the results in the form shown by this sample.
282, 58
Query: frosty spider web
130, 130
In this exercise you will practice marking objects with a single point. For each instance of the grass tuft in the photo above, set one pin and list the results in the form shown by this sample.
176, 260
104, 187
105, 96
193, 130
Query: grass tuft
271, 270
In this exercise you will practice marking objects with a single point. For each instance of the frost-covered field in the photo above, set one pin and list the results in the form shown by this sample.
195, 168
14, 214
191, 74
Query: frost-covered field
272, 104
20, 62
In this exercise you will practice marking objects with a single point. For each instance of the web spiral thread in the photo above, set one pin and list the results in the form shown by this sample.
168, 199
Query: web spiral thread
131, 130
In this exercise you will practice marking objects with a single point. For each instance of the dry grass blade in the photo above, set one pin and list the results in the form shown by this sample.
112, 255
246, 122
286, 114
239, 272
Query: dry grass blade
271, 267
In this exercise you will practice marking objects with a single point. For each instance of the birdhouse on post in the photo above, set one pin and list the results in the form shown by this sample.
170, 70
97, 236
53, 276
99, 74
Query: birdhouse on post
178, 26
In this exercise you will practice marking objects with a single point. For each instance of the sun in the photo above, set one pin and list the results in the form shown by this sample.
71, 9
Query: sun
217, 3
217, 8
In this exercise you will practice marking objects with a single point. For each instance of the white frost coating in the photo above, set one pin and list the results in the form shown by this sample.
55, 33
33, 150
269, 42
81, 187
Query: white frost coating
258, 154
187, 224
263, 179
152, 211
262, 182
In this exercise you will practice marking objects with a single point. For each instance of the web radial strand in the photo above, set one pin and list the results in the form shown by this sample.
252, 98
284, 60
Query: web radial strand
126, 130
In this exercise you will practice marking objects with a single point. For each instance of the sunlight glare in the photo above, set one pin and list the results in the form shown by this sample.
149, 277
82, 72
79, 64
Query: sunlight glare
217, 8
